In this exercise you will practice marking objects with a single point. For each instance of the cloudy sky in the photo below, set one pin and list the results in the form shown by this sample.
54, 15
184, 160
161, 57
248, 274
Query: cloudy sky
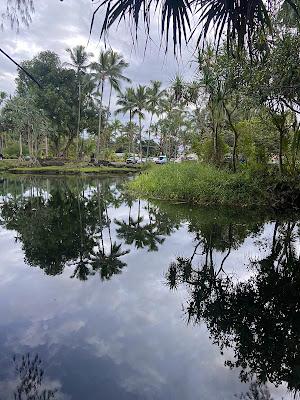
57, 25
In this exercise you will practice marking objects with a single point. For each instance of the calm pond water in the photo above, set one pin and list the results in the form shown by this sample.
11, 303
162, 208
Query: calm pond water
106, 297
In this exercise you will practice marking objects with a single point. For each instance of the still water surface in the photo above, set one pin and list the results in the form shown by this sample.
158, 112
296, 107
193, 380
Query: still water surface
107, 297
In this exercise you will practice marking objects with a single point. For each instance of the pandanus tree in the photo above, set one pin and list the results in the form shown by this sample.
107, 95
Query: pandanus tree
239, 20
79, 62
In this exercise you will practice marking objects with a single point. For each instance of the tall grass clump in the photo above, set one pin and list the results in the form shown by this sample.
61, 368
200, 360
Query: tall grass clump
201, 184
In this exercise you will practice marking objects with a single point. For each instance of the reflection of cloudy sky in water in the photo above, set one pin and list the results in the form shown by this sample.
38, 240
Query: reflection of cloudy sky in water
125, 338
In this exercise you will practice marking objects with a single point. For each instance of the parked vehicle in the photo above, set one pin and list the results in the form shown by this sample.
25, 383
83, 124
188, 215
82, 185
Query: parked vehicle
141, 161
131, 160
162, 160
191, 157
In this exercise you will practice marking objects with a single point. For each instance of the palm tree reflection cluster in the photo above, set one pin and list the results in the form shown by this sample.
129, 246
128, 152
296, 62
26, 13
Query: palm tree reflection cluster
30, 374
30, 383
258, 316
68, 223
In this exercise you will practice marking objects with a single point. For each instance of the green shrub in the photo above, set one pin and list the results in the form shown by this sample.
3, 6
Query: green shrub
201, 184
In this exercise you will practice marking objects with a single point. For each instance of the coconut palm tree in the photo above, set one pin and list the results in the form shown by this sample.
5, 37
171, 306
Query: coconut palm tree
79, 62
116, 126
126, 104
117, 66
100, 74
3, 96
109, 67
155, 95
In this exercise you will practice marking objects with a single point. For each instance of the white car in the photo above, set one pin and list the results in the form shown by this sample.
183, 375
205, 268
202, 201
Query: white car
162, 160
131, 160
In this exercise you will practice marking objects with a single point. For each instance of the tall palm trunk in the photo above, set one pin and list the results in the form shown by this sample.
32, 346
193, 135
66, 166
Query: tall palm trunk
149, 135
140, 135
100, 118
79, 116
108, 107
109, 102
132, 134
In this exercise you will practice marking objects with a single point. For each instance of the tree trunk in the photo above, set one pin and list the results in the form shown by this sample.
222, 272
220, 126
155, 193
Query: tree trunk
281, 134
29, 143
149, 135
109, 101
79, 117
36, 148
215, 142
140, 134
100, 119
20, 146
46, 145
236, 136
234, 151
69, 142
108, 112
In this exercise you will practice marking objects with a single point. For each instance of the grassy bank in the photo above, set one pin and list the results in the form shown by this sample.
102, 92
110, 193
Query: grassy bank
6, 165
69, 168
66, 170
206, 185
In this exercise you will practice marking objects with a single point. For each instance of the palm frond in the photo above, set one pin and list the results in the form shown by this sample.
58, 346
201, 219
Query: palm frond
238, 20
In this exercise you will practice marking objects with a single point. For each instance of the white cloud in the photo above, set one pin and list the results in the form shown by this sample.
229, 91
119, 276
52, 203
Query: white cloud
57, 25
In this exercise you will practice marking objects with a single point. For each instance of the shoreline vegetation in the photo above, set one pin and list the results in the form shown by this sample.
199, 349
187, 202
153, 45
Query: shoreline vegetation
206, 185
69, 168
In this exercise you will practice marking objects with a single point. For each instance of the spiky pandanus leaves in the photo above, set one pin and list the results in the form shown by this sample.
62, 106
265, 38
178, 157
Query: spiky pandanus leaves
239, 20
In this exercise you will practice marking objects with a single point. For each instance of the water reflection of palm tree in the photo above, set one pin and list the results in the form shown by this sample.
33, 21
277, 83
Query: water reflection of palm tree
108, 264
30, 385
82, 264
106, 261
66, 227
139, 234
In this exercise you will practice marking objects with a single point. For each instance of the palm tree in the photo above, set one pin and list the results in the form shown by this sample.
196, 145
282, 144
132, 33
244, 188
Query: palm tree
126, 104
80, 62
116, 126
3, 96
100, 75
110, 67
140, 103
178, 88
117, 66
155, 95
